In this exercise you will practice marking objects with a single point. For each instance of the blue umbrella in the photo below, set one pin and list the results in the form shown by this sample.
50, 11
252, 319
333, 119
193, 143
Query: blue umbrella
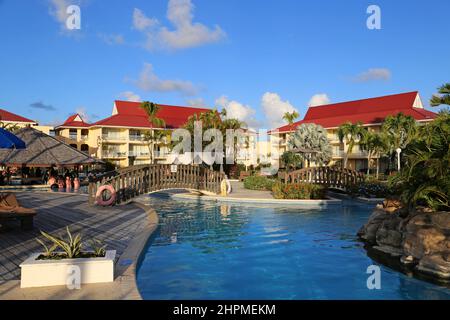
10, 141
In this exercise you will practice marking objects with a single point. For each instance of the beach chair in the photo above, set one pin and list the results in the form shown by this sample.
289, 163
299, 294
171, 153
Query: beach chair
11, 209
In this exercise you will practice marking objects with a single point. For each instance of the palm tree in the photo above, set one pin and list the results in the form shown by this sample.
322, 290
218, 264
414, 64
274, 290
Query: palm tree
400, 131
290, 117
425, 178
443, 96
350, 133
152, 136
375, 144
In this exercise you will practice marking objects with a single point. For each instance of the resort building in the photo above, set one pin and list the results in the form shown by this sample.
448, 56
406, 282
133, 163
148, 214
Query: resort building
370, 112
119, 138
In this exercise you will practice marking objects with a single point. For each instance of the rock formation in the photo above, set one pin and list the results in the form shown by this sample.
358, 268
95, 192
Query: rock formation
420, 238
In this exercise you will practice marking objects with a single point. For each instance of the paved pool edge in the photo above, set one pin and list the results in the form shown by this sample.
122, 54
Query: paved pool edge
304, 203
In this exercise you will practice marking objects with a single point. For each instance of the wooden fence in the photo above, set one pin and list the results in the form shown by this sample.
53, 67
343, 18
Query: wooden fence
134, 181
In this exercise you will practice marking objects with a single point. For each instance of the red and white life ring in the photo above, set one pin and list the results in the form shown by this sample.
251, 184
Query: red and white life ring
99, 198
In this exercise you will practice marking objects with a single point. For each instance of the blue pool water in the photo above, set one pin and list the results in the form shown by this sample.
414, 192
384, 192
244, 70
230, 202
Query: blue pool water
235, 251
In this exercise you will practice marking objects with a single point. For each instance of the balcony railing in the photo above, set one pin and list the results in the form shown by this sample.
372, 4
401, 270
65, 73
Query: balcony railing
354, 154
160, 154
113, 137
135, 138
84, 137
73, 136
114, 154
134, 153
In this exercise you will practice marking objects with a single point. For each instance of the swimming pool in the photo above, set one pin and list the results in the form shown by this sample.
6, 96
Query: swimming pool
234, 251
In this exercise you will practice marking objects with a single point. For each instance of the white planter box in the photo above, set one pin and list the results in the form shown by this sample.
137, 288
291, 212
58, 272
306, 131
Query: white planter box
43, 273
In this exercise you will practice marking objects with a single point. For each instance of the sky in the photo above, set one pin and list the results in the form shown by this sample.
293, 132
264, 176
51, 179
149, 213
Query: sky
256, 58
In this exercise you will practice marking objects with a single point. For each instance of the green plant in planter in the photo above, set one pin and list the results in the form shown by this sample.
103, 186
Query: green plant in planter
48, 250
71, 247
98, 247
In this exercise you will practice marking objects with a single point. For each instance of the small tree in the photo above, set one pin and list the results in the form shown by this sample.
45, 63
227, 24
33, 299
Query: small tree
350, 133
399, 130
311, 143
374, 144
291, 159
152, 136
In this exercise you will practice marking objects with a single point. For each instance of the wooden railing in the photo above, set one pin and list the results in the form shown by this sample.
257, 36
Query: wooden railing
328, 176
134, 181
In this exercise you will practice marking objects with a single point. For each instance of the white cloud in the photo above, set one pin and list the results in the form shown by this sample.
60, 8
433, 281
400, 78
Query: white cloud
274, 108
238, 111
112, 39
196, 102
130, 96
318, 100
374, 74
58, 10
149, 81
185, 34
141, 21
83, 114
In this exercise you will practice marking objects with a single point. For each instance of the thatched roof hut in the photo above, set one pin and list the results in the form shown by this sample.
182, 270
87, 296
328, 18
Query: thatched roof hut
43, 150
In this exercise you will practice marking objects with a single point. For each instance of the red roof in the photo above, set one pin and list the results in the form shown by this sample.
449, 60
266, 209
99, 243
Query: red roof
9, 116
367, 111
130, 114
75, 121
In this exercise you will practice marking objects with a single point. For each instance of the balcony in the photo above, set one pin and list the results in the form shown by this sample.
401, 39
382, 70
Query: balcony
73, 136
84, 137
355, 154
113, 137
113, 154
134, 153
160, 154
135, 137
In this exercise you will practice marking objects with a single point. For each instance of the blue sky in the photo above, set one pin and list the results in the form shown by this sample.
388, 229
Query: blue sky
256, 58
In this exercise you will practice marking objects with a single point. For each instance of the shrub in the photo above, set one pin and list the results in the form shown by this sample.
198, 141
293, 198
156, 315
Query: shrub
370, 189
258, 183
298, 191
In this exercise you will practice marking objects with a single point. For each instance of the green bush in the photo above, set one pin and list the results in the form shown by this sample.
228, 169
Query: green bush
304, 191
370, 189
258, 183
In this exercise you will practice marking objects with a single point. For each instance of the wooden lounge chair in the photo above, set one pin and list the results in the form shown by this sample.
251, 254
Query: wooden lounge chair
11, 209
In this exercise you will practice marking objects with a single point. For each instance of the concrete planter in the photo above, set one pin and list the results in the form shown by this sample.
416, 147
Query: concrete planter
43, 273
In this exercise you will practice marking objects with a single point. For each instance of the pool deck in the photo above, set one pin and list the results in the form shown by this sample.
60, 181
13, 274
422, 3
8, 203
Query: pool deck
124, 228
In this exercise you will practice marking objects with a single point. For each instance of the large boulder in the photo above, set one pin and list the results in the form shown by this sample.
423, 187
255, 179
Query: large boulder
421, 237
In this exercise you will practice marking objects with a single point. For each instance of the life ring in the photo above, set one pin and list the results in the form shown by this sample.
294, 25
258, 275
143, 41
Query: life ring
99, 198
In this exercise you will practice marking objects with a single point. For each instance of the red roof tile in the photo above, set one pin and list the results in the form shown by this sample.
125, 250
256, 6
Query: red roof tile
367, 111
9, 116
130, 114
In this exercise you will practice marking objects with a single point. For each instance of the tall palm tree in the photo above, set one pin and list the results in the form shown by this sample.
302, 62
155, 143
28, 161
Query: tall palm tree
152, 136
351, 133
400, 130
290, 117
443, 96
375, 144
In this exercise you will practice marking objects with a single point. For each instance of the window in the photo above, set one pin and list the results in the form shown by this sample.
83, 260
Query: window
85, 148
73, 134
73, 145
